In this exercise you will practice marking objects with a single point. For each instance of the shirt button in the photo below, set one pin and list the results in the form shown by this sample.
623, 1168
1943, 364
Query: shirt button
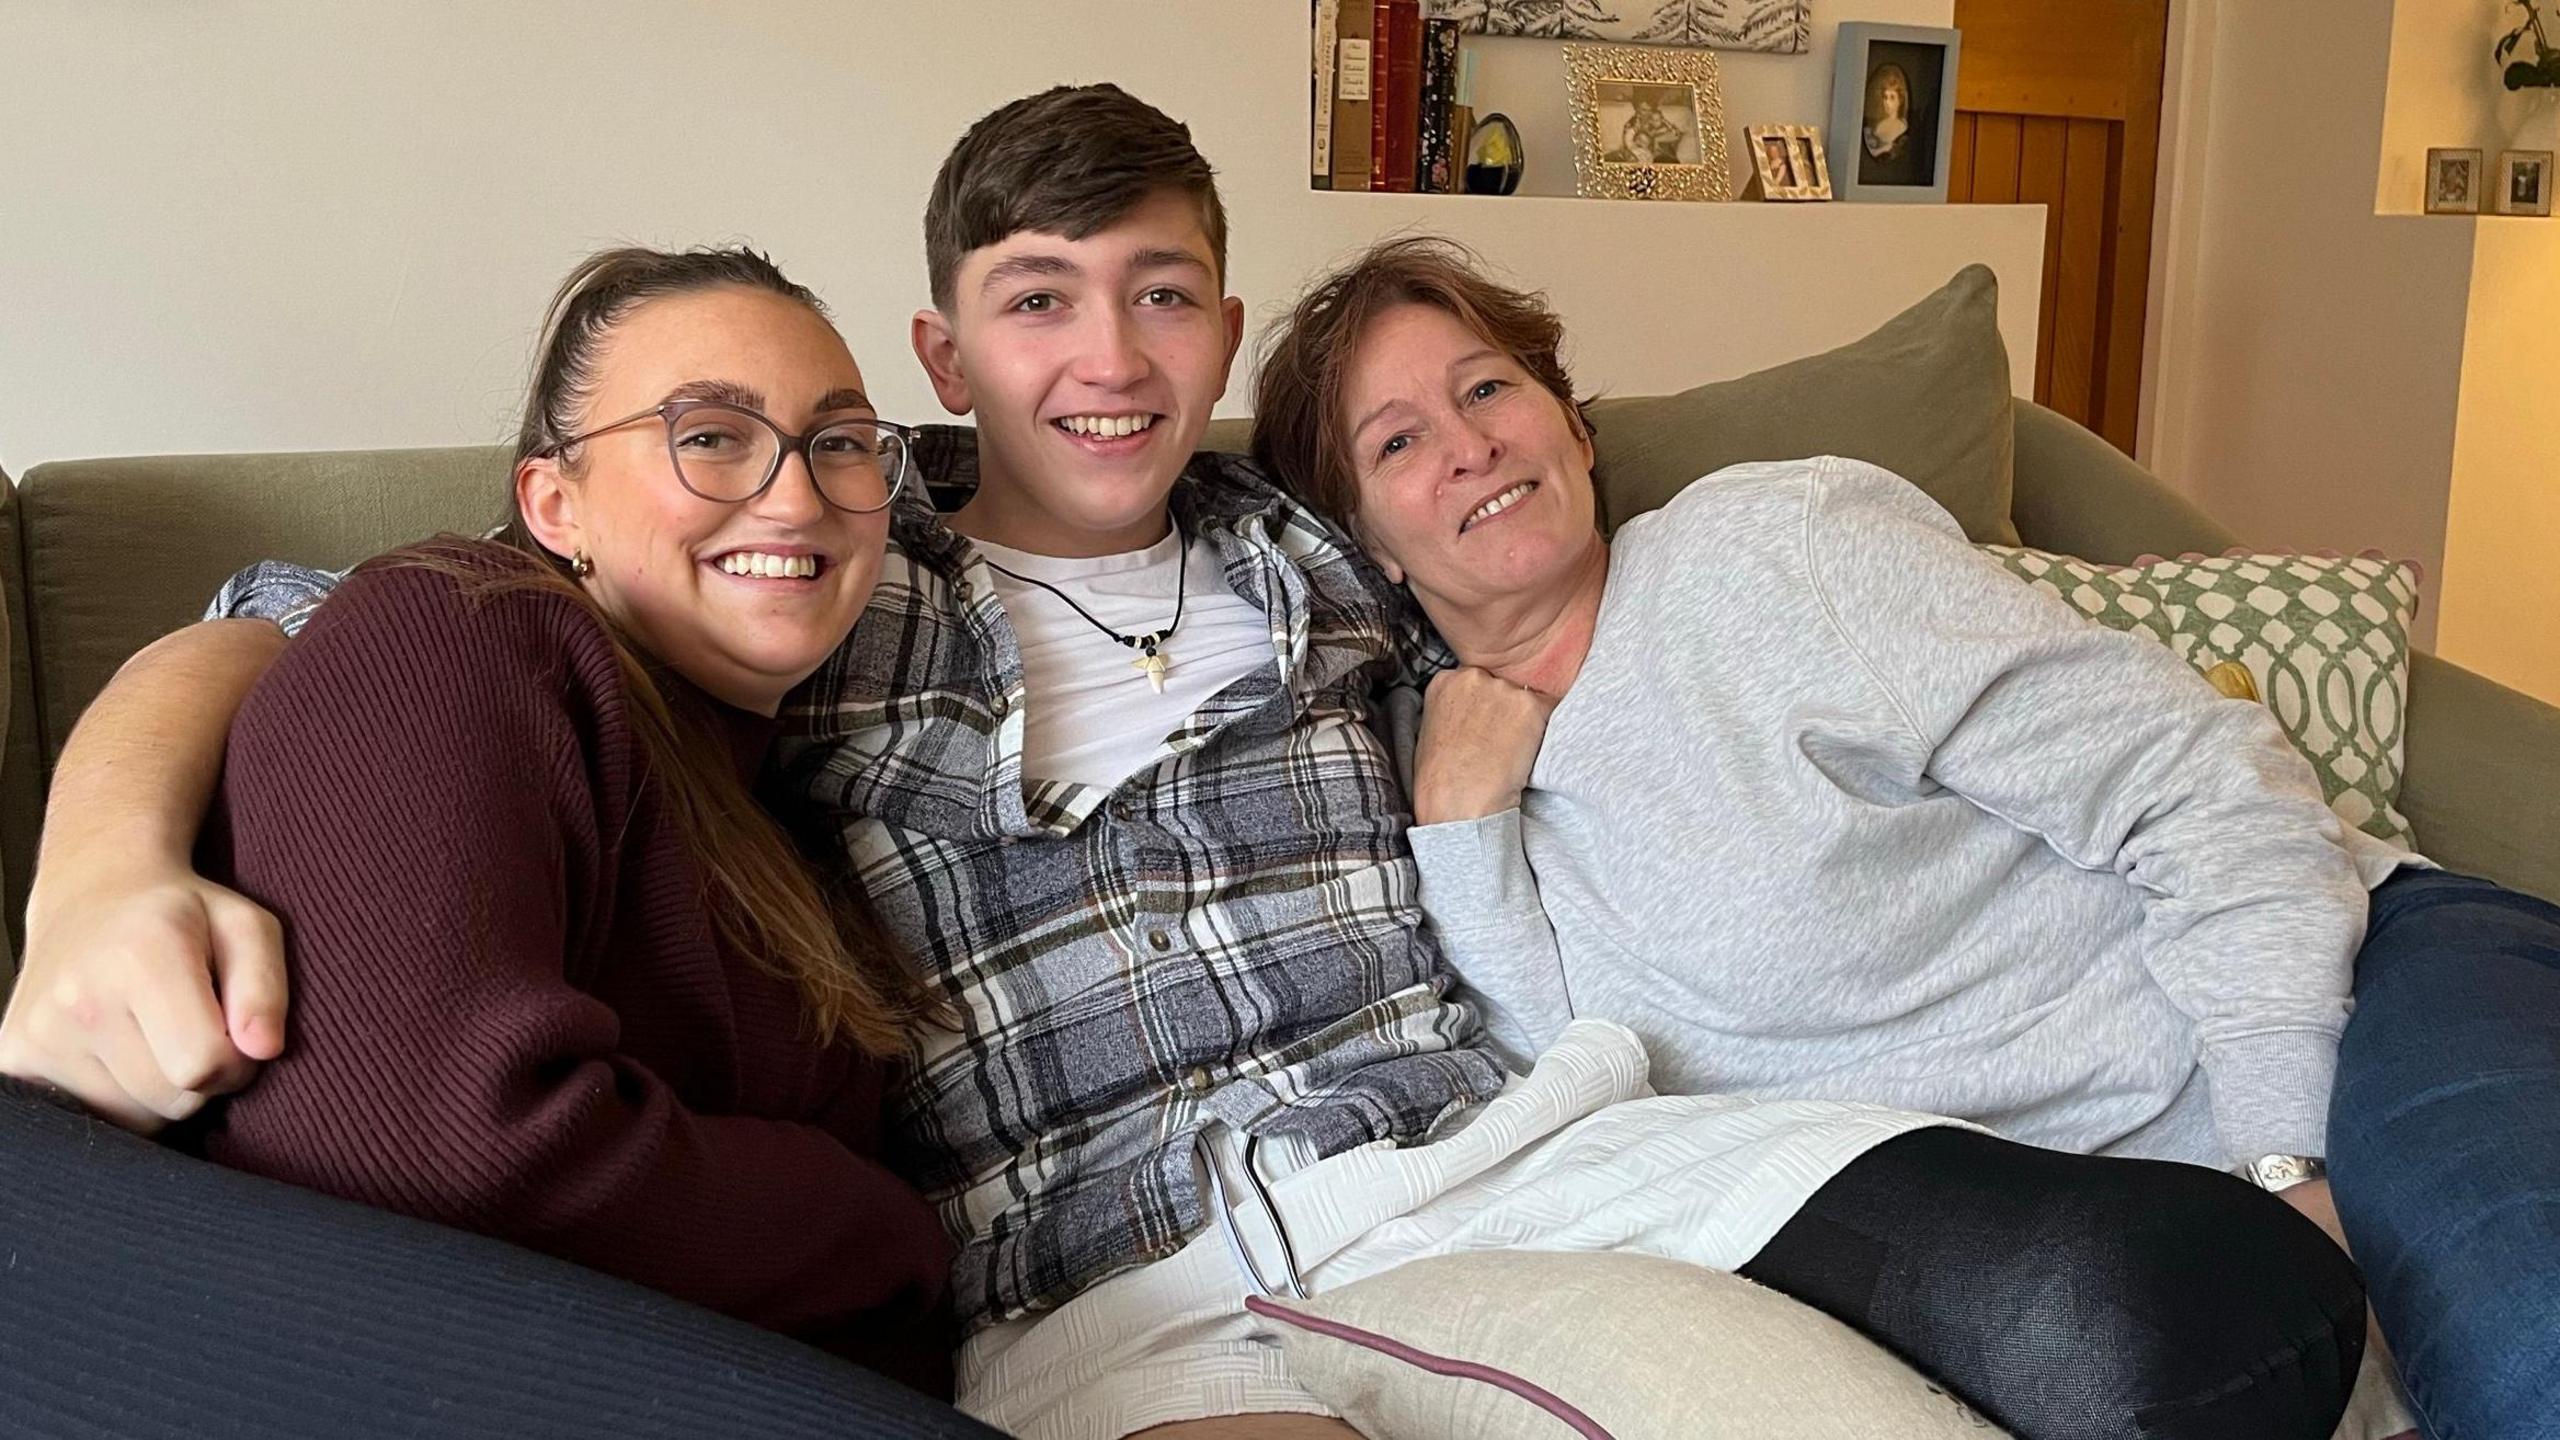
1197, 1081
999, 705
961, 592
1160, 941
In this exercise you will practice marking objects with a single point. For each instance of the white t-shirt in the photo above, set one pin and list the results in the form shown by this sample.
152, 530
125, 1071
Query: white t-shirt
1089, 714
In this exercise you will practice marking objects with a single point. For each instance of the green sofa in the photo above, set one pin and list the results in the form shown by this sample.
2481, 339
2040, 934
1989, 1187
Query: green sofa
102, 556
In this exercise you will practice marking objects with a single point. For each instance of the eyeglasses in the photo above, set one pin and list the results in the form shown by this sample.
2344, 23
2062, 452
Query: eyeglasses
729, 454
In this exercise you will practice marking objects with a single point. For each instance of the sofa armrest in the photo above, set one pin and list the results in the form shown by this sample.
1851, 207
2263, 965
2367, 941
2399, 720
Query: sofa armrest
2078, 495
2482, 781
150, 1294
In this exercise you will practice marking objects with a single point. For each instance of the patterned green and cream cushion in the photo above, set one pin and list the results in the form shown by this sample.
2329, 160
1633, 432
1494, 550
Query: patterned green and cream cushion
2326, 640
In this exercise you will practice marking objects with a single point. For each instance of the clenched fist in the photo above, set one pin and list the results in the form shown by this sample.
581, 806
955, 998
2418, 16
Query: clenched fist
1480, 736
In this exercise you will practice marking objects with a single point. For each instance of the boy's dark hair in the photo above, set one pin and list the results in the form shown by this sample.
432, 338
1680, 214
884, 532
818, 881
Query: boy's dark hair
1069, 161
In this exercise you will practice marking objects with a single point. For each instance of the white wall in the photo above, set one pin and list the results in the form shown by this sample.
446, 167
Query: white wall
1524, 79
2309, 369
292, 224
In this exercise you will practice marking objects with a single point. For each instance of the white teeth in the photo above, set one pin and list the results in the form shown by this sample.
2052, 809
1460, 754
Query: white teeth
757, 562
1501, 502
1107, 427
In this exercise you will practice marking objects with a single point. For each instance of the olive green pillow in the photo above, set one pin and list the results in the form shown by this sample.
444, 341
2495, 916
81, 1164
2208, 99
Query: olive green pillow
1926, 397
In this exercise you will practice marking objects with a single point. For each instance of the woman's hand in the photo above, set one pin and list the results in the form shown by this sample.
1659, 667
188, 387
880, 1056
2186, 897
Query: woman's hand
145, 991
1480, 736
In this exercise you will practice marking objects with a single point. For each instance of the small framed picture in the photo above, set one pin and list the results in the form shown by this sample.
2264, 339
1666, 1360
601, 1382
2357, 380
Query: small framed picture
1648, 123
2453, 182
1893, 111
2524, 182
1787, 162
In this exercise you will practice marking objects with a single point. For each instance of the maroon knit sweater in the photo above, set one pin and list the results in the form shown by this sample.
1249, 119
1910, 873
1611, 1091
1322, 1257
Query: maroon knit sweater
510, 1012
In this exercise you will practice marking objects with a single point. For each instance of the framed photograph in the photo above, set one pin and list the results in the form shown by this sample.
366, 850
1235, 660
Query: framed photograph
1787, 162
1893, 112
2453, 182
2524, 182
1648, 123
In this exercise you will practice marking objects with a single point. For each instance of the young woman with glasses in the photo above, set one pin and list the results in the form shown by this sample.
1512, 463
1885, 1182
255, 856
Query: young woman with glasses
556, 977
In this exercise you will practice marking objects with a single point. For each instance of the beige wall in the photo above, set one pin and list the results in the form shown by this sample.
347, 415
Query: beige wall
2501, 588
266, 224
2332, 368
2445, 94
2310, 366
2502, 528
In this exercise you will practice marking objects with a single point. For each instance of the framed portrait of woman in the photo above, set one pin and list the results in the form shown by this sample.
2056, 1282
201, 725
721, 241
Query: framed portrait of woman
1893, 112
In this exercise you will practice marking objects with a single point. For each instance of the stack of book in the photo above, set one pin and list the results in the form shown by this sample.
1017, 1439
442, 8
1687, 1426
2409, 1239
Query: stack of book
1392, 99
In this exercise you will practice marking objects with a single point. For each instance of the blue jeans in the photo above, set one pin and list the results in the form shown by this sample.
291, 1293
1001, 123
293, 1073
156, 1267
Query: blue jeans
2444, 1148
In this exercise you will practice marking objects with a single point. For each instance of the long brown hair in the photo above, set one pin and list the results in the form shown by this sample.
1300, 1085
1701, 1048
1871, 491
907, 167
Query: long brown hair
1299, 437
764, 900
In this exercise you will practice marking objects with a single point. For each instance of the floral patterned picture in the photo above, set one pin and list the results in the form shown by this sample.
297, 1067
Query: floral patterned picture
1779, 26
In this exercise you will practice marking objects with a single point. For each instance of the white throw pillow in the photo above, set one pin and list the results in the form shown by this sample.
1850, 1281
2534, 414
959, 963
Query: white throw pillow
1493, 1345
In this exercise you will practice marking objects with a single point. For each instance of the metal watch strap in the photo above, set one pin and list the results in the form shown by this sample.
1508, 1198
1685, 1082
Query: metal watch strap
2283, 1172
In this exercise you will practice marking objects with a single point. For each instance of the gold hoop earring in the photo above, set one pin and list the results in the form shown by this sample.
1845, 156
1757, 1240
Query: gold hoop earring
580, 566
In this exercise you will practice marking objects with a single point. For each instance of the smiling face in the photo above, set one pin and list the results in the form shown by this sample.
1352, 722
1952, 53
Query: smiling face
680, 573
1474, 481
1092, 366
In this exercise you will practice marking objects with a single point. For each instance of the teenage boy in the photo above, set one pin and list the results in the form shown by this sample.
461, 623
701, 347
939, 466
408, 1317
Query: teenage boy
1102, 753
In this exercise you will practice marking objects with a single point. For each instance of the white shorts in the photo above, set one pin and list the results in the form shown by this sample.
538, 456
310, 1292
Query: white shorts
1580, 1155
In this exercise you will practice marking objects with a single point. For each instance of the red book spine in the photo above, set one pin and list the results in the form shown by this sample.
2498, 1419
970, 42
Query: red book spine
1381, 90
1404, 94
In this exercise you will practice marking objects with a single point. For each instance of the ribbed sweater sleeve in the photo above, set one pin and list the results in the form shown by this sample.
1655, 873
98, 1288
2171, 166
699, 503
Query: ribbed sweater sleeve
439, 796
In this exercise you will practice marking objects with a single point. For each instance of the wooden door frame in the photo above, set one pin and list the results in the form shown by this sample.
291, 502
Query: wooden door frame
2177, 249
2127, 264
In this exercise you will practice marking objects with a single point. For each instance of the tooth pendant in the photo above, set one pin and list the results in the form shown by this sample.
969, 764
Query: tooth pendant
1154, 664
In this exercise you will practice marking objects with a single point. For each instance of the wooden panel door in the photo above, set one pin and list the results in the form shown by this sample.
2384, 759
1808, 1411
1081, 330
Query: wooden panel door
2059, 105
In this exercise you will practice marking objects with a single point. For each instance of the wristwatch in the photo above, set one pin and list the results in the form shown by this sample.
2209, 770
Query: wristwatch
2282, 1172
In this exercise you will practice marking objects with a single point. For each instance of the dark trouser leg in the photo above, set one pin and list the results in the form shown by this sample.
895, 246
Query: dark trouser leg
2074, 1297
2444, 1138
145, 1294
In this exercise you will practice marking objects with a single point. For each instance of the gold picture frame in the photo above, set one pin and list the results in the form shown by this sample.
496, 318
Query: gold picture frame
1648, 123
1788, 162
2455, 179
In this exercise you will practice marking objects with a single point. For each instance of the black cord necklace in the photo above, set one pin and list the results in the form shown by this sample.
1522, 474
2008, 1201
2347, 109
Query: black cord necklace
1151, 659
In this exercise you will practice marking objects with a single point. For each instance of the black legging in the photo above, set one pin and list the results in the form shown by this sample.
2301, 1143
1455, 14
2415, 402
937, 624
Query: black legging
2074, 1297
147, 1294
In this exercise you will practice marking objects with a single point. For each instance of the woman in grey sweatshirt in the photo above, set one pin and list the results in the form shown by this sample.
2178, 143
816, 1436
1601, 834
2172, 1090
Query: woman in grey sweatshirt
1804, 790
1820, 801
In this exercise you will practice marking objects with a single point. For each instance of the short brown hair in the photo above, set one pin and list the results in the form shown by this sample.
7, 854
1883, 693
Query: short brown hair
1298, 433
1070, 161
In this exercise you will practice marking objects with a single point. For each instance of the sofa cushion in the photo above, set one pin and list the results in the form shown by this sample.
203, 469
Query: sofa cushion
109, 570
2325, 642
1926, 397
1491, 1345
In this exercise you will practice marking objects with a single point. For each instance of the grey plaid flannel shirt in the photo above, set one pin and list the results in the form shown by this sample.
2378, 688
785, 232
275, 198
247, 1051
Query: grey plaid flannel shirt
1233, 935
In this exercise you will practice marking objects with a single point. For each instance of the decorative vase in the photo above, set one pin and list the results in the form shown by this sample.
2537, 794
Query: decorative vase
1494, 156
